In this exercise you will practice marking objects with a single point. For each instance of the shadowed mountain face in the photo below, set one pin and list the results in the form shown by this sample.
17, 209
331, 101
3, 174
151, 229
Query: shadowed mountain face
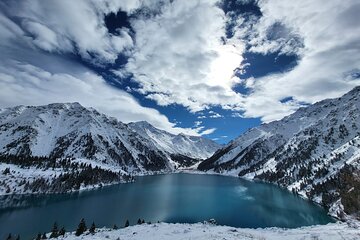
70, 130
315, 151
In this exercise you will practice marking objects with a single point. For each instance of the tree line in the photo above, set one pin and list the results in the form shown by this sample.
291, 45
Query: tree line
80, 230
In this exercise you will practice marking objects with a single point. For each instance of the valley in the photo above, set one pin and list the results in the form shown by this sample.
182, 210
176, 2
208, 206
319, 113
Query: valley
67, 148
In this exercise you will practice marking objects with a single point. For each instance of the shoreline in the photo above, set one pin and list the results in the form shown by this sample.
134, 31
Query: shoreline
208, 231
348, 219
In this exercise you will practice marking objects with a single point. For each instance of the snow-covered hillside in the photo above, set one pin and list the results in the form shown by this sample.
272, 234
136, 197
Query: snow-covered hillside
315, 152
56, 132
181, 144
334, 231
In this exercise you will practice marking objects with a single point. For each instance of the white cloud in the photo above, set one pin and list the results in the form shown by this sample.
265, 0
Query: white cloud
215, 115
197, 123
219, 138
237, 115
180, 56
208, 131
45, 38
32, 77
178, 64
34, 86
66, 26
330, 45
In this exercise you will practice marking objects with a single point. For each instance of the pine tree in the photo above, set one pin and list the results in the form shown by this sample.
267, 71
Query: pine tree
115, 227
18, 237
92, 228
127, 223
54, 231
143, 221
6, 171
62, 231
81, 228
139, 221
44, 236
9, 237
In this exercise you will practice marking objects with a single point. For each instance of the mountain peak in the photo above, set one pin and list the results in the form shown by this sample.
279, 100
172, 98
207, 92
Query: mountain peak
303, 152
142, 124
69, 130
63, 105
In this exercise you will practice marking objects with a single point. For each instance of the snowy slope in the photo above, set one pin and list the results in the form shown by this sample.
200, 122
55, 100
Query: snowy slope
315, 152
194, 147
159, 231
70, 130
82, 135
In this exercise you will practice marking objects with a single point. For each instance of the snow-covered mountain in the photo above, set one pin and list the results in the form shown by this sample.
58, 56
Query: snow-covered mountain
65, 147
178, 146
73, 131
314, 151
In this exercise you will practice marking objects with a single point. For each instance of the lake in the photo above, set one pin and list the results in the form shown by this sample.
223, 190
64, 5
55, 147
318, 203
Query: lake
184, 198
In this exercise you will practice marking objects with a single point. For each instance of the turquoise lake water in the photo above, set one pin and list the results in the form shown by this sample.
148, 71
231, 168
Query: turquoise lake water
184, 198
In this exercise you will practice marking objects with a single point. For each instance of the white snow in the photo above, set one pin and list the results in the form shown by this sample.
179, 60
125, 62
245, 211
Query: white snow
191, 146
18, 174
30, 174
325, 136
268, 166
205, 231
66, 128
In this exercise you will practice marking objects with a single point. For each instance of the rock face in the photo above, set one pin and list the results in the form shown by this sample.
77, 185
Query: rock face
314, 151
72, 131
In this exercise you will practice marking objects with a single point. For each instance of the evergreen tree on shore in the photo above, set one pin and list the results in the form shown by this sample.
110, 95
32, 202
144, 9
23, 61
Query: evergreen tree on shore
44, 236
62, 231
92, 228
54, 231
81, 228
127, 223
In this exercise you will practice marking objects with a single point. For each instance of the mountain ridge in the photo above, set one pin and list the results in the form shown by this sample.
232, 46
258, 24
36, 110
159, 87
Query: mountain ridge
41, 123
313, 152
69, 132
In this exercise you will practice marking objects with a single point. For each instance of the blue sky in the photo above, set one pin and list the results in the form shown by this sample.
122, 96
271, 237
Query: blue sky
205, 67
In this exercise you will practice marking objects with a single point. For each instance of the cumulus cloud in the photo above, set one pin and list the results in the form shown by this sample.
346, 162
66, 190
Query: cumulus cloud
34, 86
63, 26
32, 77
179, 53
330, 35
182, 56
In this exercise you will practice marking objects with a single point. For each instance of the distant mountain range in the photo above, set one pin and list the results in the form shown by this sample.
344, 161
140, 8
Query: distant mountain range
70, 131
314, 152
